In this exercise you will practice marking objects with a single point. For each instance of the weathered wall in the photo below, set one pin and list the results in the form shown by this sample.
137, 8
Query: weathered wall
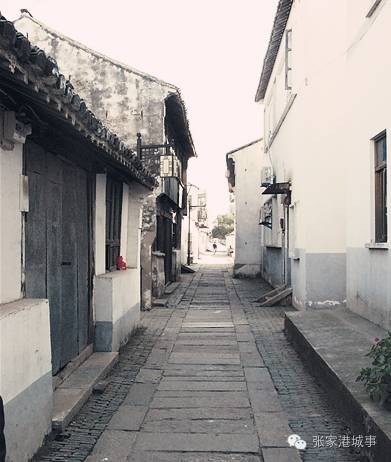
248, 164
127, 100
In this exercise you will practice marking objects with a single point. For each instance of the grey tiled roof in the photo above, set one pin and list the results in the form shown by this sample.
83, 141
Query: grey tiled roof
32, 67
280, 21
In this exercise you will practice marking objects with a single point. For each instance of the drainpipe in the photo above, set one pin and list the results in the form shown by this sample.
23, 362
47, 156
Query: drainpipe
282, 226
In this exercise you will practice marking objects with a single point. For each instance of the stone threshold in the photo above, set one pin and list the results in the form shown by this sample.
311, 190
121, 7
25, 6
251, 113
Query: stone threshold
74, 391
334, 343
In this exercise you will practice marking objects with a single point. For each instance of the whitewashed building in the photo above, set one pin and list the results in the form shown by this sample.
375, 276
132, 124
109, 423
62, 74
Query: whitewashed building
325, 90
71, 195
244, 166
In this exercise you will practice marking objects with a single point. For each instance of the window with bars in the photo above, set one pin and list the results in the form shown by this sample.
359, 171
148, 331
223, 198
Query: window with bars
113, 222
381, 187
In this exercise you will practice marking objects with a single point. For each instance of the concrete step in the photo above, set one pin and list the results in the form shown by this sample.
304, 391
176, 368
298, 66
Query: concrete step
334, 344
71, 395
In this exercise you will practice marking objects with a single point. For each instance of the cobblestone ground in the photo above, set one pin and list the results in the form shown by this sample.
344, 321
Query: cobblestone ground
198, 383
302, 398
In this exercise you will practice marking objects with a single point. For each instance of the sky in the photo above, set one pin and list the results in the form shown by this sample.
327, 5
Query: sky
212, 50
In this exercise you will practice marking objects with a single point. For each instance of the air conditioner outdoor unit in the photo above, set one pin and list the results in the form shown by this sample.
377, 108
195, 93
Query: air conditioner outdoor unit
266, 176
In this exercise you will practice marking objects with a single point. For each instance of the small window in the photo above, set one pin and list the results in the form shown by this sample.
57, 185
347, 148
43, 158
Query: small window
381, 188
113, 222
288, 59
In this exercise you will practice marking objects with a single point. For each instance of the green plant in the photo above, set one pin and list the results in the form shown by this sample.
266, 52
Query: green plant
377, 378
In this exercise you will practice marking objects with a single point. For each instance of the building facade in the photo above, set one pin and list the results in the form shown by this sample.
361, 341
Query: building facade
307, 216
196, 233
71, 195
326, 125
133, 102
244, 166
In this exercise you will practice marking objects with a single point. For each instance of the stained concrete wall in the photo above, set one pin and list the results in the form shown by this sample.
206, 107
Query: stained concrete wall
248, 164
305, 138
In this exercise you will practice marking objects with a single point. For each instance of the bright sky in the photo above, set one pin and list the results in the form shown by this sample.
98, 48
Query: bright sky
211, 49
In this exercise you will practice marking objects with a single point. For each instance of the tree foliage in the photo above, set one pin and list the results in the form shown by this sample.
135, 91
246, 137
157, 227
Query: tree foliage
224, 225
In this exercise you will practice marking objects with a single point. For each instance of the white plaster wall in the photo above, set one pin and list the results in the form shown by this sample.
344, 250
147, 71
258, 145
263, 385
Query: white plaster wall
309, 148
25, 375
135, 202
10, 224
248, 165
124, 221
100, 224
368, 94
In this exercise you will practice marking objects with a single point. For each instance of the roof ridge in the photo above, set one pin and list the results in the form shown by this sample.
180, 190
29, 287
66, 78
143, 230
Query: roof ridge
84, 47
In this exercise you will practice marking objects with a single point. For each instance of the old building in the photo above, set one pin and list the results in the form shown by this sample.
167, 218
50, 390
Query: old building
71, 194
326, 123
195, 232
301, 86
133, 102
244, 167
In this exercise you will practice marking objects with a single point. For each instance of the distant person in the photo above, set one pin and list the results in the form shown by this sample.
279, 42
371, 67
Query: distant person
230, 250
2, 439
214, 248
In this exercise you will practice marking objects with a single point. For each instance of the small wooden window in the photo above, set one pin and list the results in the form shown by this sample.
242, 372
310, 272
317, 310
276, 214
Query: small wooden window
288, 59
381, 188
113, 222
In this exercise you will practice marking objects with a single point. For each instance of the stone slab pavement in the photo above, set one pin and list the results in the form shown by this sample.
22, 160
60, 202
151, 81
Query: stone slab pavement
208, 377
204, 393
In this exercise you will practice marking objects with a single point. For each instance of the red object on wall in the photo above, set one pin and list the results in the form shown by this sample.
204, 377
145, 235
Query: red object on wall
121, 263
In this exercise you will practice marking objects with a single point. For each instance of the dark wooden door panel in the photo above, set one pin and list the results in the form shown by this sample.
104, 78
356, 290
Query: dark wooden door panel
57, 249
82, 239
54, 254
69, 298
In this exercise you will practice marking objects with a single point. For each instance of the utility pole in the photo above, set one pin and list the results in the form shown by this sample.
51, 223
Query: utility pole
188, 231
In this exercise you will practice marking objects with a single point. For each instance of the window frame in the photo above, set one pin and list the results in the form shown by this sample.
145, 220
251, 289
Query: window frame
114, 193
288, 59
380, 190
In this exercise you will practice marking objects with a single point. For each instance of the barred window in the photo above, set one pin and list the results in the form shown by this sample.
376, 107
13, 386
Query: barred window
381, 187
113, 222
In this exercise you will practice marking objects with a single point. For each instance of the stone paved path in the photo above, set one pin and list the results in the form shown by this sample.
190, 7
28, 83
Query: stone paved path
213, 380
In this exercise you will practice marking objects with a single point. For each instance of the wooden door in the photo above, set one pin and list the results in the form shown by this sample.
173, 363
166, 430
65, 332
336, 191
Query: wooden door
57, 249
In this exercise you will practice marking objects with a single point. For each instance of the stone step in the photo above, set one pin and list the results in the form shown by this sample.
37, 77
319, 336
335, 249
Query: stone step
334, 344
71, 395
171, 288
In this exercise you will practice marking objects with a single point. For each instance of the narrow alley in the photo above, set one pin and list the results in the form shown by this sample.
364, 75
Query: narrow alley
210, 377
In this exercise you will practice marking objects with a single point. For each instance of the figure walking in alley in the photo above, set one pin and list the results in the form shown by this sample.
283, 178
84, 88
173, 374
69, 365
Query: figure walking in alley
214, 248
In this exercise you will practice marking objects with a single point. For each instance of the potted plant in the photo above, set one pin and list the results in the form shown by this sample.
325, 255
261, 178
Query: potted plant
377, 378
